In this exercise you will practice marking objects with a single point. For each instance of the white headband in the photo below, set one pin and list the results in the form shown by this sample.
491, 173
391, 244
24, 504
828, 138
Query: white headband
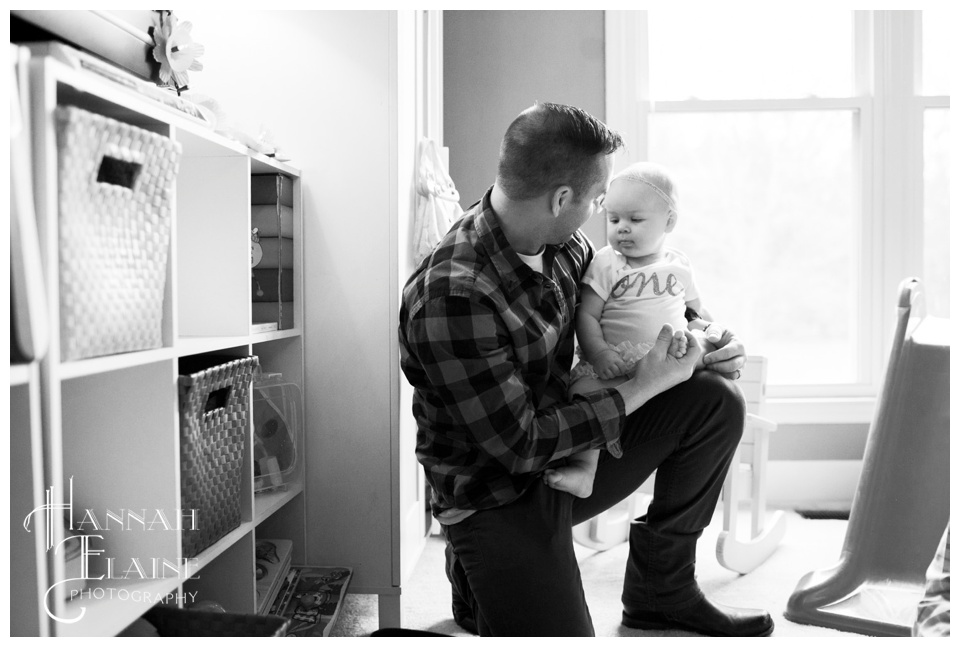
660, 192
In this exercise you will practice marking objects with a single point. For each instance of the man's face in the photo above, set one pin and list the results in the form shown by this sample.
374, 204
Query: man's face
580, 208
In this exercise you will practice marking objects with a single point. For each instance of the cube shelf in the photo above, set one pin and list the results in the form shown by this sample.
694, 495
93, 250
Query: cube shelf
95, 442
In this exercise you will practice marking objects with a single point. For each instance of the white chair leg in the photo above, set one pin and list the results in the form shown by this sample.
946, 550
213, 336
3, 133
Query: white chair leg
765, 535
744, 556
758, 486
611, 528
582, 534
731, 495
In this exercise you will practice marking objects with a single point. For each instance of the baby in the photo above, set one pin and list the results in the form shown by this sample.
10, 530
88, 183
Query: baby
631, 289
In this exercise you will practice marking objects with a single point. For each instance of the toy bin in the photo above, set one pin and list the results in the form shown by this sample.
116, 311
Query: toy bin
171, 622
277, 433
214, 419
115, 198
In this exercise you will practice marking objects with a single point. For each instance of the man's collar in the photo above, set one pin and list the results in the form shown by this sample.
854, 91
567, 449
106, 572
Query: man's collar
505, 260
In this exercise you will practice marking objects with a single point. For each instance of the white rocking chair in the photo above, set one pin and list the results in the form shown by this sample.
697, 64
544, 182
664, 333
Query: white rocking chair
737, 553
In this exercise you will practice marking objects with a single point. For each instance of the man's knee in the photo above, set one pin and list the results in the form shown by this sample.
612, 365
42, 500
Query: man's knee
723, 399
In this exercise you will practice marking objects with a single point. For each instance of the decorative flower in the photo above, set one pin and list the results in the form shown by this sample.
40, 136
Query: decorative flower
175, 50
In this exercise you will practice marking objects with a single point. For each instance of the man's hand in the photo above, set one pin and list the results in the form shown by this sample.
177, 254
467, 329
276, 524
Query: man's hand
659, 369
729, 355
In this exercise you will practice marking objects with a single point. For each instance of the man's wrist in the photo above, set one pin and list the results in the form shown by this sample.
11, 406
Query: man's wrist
635, 394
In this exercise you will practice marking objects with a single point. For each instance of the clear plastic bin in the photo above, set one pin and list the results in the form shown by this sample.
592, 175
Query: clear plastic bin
277, 432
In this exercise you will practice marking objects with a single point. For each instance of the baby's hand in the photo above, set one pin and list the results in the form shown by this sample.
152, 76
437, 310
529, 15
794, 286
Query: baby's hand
609, 365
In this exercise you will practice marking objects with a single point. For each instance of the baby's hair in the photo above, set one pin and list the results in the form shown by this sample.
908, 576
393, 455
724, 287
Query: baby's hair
655, 176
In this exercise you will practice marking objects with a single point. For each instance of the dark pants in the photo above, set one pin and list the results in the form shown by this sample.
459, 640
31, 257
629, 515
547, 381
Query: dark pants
513, 569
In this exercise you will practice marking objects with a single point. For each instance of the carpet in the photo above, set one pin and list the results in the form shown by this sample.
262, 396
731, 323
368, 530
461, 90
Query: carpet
809, 544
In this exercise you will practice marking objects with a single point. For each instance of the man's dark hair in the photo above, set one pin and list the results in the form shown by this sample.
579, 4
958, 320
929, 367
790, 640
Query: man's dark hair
549, 145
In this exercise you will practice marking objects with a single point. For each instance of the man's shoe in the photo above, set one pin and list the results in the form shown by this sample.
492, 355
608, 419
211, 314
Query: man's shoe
705, 618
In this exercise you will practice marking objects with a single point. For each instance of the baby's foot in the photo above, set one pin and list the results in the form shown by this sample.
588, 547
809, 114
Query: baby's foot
705, 344
574, 479
678, 345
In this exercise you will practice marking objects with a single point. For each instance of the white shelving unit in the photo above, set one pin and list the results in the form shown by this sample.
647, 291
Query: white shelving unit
110, 425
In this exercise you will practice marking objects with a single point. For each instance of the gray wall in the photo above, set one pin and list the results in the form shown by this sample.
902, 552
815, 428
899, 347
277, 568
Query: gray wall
823, 442
498, 63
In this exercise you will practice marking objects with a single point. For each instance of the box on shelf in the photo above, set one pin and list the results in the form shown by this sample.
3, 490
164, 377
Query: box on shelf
311, 597
273, 564
277, 432
172, 622
214, 414
83, 61
110, 37
259, 328
277, 313
272, 250
115, 198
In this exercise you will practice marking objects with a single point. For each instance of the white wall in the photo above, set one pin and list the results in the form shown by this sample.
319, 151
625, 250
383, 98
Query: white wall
262, 67
319, 81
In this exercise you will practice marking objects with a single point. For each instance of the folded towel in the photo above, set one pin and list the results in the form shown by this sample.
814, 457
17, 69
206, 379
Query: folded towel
438, 204
272, 219
272, 285
277, 252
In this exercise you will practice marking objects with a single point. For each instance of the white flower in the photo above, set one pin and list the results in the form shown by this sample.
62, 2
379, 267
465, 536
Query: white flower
175, 50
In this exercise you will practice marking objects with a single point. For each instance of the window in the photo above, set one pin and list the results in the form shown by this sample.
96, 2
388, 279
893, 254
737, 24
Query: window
813, 174
935, 103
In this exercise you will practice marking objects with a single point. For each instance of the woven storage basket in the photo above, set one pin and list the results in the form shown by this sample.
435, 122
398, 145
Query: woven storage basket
171, 622
116, 186
214, 423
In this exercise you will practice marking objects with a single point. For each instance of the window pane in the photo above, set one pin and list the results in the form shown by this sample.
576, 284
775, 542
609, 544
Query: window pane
760, 54
767, 218
937, 62
936, 210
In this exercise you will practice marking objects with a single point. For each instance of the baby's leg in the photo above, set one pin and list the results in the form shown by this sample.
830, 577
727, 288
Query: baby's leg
577, 476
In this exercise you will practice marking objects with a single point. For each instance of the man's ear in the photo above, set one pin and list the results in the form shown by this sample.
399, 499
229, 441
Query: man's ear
559, 199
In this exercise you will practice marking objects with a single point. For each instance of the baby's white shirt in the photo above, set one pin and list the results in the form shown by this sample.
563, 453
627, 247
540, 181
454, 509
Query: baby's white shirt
637, 302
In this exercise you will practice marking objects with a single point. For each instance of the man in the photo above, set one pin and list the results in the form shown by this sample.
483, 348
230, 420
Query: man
486, 331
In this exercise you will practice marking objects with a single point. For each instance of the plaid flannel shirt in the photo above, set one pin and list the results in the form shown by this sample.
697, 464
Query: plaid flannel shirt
487, 344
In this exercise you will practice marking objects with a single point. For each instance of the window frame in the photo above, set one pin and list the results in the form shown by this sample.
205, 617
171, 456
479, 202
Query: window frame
888, 148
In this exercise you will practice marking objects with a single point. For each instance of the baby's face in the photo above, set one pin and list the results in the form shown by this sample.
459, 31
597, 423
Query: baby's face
638, 219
